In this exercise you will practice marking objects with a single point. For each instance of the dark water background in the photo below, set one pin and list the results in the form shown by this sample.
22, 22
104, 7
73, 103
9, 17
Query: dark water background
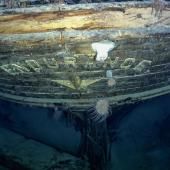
140, 134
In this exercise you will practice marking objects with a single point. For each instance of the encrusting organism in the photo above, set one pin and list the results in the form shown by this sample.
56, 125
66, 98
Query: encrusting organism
102, 49
100, 111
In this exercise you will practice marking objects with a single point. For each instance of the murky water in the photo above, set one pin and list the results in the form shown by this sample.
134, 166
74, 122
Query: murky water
138, 135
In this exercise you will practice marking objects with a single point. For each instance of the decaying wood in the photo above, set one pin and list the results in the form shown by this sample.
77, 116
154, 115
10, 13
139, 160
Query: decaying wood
39, 86
47, 58
64, 18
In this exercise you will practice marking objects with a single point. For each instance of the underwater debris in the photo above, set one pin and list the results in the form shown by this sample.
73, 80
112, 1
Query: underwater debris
157, 7
100, 111
102, 48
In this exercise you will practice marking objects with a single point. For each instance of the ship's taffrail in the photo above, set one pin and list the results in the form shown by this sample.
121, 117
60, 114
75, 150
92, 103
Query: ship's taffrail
47, 57
80, 17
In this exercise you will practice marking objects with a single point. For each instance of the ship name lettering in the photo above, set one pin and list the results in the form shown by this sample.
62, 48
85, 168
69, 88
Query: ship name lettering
14, 69
37, 65
50, 63
128, 63
33, 65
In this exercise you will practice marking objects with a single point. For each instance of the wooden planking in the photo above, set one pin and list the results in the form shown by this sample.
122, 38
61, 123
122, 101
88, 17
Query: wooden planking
48, 82
94, 95
150, 43
143, 49
93, 16
50, 41
86, 103
131, 85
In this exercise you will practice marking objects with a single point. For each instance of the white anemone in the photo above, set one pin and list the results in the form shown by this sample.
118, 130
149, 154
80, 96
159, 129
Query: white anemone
100, 111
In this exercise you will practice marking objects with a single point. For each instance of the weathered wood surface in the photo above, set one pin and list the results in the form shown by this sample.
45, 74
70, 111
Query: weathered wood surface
47, 56
36, 78
79, 17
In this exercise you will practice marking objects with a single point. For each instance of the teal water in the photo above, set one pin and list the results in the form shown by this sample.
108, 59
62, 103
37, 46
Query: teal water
139, 134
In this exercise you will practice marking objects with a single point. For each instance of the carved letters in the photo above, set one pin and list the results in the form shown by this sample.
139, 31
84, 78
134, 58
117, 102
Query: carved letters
29, 66
50, 63
14, 69
128, 63
34, 65
143, 66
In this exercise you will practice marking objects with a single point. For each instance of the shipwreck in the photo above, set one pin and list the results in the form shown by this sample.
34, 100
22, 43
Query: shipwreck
52, 54
86, 60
